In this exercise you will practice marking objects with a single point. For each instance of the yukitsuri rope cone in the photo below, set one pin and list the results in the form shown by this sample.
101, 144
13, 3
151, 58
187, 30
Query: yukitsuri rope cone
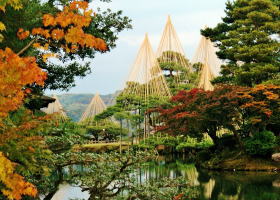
170, 49
55, 108
95, 107
211, 65
146, 78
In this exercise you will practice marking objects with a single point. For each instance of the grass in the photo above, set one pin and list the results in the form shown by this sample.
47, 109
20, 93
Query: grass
103, 147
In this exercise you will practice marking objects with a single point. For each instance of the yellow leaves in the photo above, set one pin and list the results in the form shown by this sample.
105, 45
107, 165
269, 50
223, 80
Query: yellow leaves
16, 4
36, 45
48, 55
1, 37
22, 34
2, 27
16, 72
15, 184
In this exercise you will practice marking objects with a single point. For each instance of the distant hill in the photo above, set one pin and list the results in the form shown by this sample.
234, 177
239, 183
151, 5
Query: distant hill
75, 104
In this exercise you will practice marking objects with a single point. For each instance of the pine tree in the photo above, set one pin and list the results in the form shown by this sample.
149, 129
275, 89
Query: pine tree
248, 39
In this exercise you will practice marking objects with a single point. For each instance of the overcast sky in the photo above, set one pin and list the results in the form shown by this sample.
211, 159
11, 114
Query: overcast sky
110, 70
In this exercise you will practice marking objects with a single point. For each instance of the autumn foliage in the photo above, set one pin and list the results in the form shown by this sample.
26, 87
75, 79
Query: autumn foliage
15, 74
66, 30
238, 109
21, 143
15, 184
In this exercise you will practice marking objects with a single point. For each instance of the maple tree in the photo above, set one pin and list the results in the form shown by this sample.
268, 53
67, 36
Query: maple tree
15, 184
16, 73
241, 110
22, 147
14, 77
63, 70
16, 4
65, 31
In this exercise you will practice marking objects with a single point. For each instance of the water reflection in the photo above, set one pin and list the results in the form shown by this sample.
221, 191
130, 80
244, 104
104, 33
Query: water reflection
213, 185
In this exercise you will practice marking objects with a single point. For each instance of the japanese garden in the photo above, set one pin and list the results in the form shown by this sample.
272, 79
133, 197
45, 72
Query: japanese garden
180, 128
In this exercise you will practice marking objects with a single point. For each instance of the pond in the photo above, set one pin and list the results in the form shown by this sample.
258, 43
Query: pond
212, 185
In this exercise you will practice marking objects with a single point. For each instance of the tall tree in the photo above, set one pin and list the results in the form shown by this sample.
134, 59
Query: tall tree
43, 34
248, 40
63, 71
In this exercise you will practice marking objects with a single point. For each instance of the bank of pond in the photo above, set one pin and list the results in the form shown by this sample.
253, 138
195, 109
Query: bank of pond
208, 184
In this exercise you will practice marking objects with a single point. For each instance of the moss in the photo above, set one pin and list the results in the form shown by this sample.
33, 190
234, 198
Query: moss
103, 147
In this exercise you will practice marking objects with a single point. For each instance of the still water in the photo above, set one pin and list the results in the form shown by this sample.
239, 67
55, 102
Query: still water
212, 185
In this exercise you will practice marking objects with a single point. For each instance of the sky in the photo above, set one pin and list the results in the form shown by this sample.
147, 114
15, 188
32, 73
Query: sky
110, 70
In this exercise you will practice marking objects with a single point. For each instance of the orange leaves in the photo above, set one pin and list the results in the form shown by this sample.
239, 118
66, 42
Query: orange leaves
15, 73
40, 31
22, 34
179, 197
78, 4
271, 95
57, 34
72, 35
67, 28
262, 102
48, 20
48, 55
15, 184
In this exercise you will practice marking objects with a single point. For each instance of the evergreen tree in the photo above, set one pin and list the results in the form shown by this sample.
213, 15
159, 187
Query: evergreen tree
248, 40
175, 68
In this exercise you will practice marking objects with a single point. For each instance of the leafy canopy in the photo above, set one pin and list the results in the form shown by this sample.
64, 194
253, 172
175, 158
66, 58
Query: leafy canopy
248, 40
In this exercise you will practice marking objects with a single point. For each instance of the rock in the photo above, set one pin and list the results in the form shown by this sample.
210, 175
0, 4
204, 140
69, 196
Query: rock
276, 157
276, 183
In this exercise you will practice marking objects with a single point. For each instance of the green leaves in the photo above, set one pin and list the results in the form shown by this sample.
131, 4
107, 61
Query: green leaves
247, 40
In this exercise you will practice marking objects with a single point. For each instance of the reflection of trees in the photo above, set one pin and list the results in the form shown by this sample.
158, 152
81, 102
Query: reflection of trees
242, 185
218, 185
208, 188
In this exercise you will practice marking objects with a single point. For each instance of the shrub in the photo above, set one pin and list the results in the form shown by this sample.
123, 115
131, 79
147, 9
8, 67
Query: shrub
261, 144
192, 143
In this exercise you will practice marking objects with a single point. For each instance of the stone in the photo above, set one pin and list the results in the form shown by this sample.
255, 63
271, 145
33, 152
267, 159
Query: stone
276, 157
276, 183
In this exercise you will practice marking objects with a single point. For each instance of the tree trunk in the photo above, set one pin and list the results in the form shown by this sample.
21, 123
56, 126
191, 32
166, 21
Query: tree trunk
56, 184
238, 139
